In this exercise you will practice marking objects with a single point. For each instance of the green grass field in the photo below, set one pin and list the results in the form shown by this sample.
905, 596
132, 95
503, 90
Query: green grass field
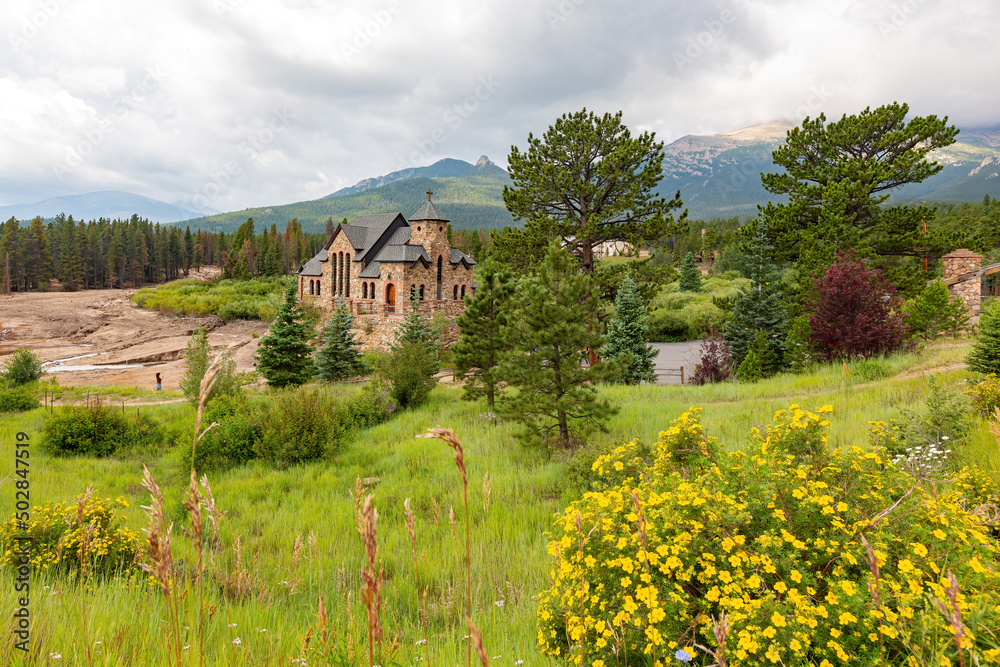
268, 596
257, 299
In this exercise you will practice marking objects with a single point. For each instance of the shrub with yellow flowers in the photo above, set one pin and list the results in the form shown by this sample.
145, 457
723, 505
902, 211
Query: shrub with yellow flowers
87, 532
985, 394
788, 553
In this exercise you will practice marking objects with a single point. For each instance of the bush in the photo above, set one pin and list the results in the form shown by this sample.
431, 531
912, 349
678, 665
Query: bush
854, 312
57, 533
287, 428
234, 441
714, 363
22, 367
17, 399
985, 394
409, 373
763, 556
869, 370
934, 311
99, 431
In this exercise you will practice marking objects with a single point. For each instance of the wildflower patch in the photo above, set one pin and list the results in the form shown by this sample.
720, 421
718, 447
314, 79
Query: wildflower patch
790, 552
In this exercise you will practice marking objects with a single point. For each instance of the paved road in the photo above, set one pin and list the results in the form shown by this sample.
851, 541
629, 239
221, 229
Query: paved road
674, 355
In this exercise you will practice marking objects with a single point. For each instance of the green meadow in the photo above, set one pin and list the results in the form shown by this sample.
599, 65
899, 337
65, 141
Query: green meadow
289, 537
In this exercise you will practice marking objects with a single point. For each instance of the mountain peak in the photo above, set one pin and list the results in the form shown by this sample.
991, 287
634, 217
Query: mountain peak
484, 161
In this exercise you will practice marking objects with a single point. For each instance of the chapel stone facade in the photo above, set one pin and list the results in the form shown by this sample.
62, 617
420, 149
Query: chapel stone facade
375, 263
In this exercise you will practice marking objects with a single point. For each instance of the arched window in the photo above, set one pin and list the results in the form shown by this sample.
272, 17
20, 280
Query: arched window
347, 275
364, 290
440, 264
311, 288
372, 290
319, 283
463, 291
340, 282
454, 293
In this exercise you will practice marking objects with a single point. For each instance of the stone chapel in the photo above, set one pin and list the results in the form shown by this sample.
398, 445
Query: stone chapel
375, 263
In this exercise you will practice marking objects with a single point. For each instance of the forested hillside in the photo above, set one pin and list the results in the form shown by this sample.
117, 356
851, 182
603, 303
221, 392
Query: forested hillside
117, 253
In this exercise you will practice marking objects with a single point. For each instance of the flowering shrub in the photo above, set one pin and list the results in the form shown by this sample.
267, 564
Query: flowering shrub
985, 394
787, 553
63, 535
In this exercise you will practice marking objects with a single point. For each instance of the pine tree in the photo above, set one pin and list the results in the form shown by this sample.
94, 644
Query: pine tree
627, 335
934, 311
284, 356
690, 275
759, 308
751, 369
484, 340
338, 358
415, 329
556, 398
985, 355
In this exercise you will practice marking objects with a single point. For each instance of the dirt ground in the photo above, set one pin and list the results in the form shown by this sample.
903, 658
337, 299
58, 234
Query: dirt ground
100, 337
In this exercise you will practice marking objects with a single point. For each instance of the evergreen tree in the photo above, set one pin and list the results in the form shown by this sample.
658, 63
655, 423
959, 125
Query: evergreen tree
284, 356
759, 307
484, 339
690, 275
556, 398
587, 181
627, 335
934, 311
985, 355
338, 358
751, 369
415, 329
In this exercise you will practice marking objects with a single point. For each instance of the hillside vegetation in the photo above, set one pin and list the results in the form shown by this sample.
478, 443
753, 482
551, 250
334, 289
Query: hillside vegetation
290, 536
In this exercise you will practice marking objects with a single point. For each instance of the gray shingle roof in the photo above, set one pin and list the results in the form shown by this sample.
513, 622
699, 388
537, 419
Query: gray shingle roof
365, 230
457, 256
370, 271
313, 266
429, 212
402, 253
399, 237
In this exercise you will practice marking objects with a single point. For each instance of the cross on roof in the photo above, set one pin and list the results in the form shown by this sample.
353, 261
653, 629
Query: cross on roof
429, 193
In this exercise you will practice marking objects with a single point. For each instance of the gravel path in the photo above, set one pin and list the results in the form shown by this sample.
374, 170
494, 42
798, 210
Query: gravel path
674, 355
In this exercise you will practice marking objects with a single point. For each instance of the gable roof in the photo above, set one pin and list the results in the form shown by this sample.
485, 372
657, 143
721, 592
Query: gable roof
459, 256
366, 230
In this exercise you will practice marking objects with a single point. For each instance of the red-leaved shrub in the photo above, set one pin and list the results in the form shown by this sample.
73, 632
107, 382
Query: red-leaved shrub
714, 363
854, 312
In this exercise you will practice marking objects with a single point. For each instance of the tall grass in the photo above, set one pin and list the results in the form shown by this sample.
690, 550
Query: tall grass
289, 538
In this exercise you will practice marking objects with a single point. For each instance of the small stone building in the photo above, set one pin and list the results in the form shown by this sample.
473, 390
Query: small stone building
377, 262
962, 272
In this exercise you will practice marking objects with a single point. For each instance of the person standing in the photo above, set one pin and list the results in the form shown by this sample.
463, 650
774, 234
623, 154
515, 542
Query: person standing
159, 383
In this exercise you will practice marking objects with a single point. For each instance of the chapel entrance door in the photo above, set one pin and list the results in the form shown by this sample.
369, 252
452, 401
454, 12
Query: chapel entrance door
390, 298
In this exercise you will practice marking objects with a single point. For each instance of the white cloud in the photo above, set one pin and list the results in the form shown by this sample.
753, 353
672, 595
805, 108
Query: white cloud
258, 102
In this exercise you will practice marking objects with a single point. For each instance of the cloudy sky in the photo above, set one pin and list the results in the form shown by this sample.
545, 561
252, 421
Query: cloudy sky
236, 103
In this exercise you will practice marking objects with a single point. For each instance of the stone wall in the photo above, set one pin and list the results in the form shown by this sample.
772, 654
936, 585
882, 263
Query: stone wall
376, 332
959, 263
